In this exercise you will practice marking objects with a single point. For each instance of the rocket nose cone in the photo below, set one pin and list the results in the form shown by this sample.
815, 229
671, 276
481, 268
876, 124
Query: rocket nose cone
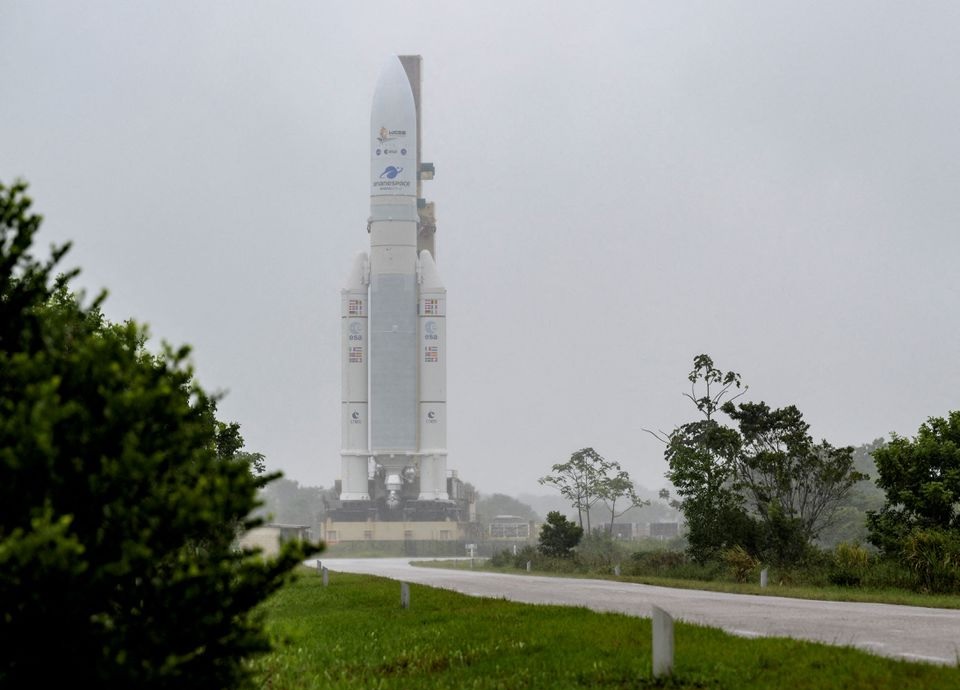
393, 93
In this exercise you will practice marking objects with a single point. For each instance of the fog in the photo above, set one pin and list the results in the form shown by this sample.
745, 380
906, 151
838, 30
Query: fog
619, 188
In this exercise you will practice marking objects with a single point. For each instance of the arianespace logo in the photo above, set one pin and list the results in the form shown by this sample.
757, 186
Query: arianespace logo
390, 180
390, 172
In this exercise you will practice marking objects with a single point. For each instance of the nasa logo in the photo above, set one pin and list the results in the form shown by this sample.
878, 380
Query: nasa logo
390, 172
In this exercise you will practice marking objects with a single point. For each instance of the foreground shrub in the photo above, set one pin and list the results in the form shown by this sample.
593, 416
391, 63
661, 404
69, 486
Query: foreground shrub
120, 499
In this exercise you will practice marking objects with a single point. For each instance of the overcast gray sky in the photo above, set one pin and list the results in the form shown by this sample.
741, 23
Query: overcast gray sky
620, 187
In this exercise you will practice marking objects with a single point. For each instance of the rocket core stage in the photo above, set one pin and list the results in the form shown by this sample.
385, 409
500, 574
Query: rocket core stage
393, 312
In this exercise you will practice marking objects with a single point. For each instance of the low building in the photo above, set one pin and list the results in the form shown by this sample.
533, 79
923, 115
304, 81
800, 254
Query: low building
268, 538
510, 528
664, 530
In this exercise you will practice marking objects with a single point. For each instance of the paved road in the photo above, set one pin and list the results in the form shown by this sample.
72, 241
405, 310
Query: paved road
909, 632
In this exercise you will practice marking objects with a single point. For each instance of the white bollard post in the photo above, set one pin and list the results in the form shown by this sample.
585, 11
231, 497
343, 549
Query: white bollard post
662, 623
318, 565
404, 595
326, 576
763, 577
616, 570
529, 566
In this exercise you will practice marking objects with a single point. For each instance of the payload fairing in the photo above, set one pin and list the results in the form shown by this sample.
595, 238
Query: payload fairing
393, 312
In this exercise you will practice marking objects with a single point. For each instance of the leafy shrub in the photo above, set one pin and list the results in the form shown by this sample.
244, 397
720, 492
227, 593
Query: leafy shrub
527, 553
119, 501
739, 563
559, 536
850, 562
657, 562
599, 551
934, 554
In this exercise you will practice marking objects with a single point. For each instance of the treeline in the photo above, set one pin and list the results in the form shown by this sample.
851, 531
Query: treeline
755, 489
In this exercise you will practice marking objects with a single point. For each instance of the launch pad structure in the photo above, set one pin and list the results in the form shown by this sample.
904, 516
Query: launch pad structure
393, 345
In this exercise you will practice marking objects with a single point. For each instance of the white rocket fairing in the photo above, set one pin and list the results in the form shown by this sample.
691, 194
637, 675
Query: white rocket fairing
393, 312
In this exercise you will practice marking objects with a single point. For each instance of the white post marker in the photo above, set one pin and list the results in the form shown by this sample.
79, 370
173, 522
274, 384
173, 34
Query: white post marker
763, 577
616, 570
326, 576
404, 595
318, 565
662, 623
529, 564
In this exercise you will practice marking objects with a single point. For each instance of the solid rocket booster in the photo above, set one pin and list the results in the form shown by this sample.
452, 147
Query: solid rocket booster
392, 314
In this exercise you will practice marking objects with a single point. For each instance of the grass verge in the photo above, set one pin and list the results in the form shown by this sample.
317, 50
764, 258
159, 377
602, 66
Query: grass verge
353, 634
831, 593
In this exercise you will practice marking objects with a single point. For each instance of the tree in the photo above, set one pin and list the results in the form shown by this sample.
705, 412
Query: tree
765, 486
702, 456
118, 495
921, 479
580, 480
619, 487
794, 485
850, 523
716, 386
558, 536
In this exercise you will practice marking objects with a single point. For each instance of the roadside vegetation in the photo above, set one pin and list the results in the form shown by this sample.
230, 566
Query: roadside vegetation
674, 568
353, 634
757, 493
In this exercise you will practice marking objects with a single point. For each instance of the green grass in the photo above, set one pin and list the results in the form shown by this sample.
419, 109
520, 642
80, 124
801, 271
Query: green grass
826, 593
353, 634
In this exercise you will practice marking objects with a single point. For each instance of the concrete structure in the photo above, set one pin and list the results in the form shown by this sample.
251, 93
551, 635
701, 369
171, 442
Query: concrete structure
511, 528
393, 335
335, 532
268, 538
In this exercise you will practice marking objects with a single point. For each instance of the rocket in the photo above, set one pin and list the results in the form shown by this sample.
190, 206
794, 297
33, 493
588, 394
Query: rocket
393, 310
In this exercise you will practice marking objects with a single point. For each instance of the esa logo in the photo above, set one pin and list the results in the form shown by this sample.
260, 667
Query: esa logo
356, 331
430, 331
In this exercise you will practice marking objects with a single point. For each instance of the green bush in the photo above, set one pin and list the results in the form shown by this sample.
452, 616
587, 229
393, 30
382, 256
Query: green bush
120, 498
850, 562
934, 555
740, 563
558, 536
657, 562
599, 551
